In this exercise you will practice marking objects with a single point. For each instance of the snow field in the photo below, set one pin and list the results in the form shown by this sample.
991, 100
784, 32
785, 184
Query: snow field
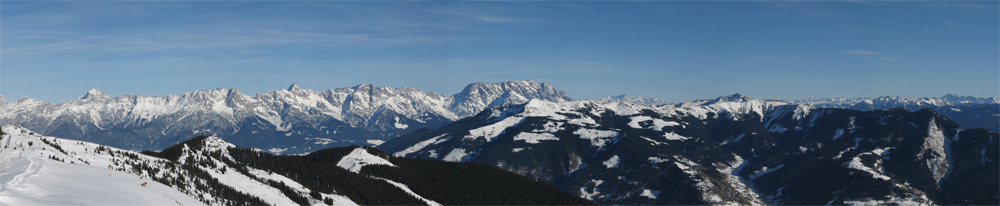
657, 124
456, 155
612, 162
651, 194
492, 131
28, 176
360, 157
420, 145
534, 138
598, 138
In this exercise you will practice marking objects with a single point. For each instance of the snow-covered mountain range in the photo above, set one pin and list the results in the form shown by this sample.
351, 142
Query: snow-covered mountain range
887, 102
630, 99
293, 120
729, 150
969, 111
296, 120
44, 170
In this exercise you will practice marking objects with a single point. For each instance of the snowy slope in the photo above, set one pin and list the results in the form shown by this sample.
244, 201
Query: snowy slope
729, 150
28, 176
571, 137
44, 170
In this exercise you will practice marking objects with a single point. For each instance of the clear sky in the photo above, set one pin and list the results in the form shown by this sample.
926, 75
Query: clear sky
674, 50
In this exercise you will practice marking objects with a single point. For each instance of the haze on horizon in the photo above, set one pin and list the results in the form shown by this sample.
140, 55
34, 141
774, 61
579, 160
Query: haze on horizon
676, 51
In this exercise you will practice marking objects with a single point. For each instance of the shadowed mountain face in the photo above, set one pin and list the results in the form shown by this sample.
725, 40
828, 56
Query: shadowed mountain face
733, 149
293, 120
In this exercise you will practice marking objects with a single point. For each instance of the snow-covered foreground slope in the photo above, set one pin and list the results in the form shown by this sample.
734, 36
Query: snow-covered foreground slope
43, 170
29, 175
728, 150
39, 181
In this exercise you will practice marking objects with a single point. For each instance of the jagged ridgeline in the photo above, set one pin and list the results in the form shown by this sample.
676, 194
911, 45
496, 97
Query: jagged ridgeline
298, 121
363, 175
729, 150
288, 121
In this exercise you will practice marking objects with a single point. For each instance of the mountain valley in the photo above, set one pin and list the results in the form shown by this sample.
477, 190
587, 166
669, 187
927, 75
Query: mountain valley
529, 142
729, 150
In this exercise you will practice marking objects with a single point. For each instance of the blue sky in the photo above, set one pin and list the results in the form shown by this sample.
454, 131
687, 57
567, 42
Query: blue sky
674, 50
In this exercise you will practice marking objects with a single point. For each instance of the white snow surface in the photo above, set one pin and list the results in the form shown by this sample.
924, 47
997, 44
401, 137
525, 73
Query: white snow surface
622, 108
855, 163
534, 138
549, 127
593, 193
674, 136
29, 177
936, 143
85, 175
651, 194
456, 155
893, 200
375, 142
493, 130
657, 124
653, 142
225, 109
35, 180
612, 162
406, 189
337, 199
420, 145
657, 160
360, 157
730, 170
598, 138
400, 125
947, 100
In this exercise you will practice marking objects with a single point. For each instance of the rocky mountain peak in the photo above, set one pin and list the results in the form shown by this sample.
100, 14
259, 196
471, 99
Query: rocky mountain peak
294, 87
366, 88
737, 97
93, 94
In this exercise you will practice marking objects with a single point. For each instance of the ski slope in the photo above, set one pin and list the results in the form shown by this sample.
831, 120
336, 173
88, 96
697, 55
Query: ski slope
28, 176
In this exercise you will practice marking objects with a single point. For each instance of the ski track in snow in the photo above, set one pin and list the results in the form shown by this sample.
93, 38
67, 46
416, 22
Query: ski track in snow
30, 177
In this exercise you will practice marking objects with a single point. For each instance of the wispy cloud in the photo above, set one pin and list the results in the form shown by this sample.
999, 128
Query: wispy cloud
39, 42
497, 19
480, 16
861, 52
